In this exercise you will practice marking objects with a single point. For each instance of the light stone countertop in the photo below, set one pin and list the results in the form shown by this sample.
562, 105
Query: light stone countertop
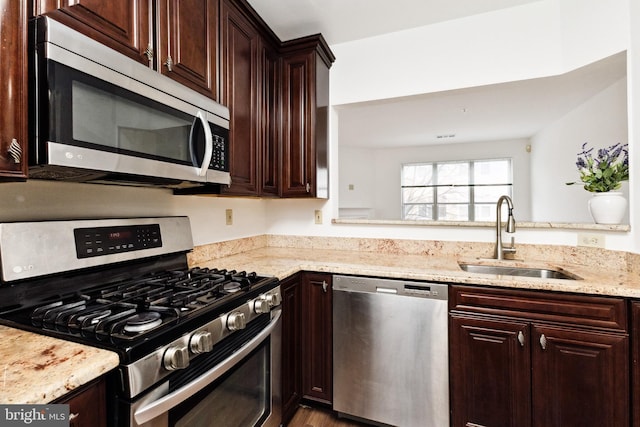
39, 369
283, 262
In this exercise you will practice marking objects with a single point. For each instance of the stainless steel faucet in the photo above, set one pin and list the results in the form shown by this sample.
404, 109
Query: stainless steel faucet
510, 228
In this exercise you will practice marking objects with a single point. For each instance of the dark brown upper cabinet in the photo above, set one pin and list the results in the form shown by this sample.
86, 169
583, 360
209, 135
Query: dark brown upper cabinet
123, 25
305, 122
240, 74
250, 75
187, 40
177, 38
13, 91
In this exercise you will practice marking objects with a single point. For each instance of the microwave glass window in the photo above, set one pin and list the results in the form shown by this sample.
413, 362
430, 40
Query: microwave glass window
109, 120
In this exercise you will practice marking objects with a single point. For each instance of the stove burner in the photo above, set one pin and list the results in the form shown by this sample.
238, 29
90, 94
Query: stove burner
231, 287
142, 322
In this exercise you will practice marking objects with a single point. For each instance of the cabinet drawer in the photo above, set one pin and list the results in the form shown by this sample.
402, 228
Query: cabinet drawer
598, 312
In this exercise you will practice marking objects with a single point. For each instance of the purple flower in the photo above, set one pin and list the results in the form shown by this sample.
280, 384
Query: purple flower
606, 171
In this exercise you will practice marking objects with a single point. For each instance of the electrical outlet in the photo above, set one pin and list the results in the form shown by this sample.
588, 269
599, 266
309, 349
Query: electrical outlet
229, 216
591, 240
318, 216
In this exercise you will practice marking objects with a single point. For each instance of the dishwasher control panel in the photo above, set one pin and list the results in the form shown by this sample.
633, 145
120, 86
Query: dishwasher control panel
420, 289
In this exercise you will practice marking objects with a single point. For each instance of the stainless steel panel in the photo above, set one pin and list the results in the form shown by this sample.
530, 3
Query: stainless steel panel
86, 158
391, 351
55, 250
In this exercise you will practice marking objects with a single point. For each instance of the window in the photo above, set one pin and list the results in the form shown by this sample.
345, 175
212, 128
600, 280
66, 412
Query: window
455, 191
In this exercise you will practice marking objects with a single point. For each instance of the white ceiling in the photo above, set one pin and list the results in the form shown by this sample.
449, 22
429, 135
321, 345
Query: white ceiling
486, 113
495, 112
341, 21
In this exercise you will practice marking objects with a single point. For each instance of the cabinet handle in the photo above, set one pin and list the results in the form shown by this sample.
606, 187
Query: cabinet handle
521, 338
543, 342
308, 187
169, 63
14, 151
148, 52
324, 286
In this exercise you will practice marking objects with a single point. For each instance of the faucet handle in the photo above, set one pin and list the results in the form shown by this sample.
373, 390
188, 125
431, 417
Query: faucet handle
510, 249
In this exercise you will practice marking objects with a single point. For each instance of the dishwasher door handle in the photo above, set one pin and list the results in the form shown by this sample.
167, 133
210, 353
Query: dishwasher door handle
382, 290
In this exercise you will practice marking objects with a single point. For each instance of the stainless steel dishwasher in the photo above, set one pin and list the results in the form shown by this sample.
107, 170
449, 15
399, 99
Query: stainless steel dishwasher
390, 351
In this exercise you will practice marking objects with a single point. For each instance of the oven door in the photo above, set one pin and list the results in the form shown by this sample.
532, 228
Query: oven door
243, 390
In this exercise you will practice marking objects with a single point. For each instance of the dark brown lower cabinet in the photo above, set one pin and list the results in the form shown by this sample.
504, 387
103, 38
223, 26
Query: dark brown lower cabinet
317, 337
291, 346
540, 365
490, 372
635, 363
87, 405
307, 349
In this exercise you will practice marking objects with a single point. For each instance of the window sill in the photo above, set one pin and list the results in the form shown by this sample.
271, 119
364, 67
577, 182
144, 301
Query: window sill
521, 225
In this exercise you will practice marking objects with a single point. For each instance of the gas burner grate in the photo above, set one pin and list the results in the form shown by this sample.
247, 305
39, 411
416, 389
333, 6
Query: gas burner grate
134, 308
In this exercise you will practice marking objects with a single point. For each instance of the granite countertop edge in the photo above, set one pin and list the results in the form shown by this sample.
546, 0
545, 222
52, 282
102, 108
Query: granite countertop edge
38, 369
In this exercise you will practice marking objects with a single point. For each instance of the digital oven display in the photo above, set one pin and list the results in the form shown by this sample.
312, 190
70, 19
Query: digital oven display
97, 241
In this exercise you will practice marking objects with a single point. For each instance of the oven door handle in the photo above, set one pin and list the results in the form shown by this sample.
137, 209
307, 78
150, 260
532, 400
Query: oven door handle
164, 404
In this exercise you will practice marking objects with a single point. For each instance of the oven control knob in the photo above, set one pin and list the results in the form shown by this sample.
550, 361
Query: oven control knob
261, 306
236, 321
176, 358
273, 299
201, 342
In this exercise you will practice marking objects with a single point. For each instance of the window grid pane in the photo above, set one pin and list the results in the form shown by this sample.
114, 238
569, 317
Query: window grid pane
454, 191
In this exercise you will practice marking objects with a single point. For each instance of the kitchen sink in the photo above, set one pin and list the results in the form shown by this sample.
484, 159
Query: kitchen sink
501, 270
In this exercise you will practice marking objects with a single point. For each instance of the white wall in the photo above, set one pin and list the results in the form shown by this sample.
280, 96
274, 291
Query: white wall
47, 200
356, 184
633, 93
601, 121
506, 45
384, 168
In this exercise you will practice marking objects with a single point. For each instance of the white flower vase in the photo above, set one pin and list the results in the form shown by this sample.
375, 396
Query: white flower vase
608, 208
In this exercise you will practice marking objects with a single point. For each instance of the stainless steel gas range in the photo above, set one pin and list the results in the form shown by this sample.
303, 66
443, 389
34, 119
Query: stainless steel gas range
197, 346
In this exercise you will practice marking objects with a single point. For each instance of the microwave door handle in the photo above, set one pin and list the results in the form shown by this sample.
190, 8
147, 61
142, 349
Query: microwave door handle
171, 400
208, 144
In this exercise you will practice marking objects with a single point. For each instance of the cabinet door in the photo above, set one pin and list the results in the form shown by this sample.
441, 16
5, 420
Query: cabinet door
87, 407
580, 378
635, 362
13, 90
291, 346
270, 122
240, 74
297, 144
187, 37
123, 25
490, 372
317, 353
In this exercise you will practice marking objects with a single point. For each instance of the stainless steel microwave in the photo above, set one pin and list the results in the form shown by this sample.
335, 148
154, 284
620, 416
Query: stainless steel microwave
99, 116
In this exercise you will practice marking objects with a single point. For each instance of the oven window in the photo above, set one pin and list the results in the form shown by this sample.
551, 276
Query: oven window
241, 398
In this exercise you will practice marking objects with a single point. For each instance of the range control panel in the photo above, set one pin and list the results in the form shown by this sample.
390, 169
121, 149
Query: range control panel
97, 241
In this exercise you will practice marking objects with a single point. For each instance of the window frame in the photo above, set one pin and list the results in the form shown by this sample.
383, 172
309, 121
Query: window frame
471, 204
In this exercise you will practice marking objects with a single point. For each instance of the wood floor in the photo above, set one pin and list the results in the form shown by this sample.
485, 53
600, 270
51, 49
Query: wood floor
314, 417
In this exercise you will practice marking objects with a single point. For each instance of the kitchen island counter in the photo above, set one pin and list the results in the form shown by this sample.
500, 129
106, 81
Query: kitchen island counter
39, 369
